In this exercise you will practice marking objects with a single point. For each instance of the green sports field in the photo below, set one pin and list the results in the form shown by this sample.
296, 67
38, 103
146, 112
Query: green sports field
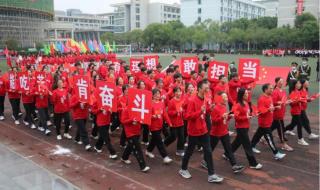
165, 59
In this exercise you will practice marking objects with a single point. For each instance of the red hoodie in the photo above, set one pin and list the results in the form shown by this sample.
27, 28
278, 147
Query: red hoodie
241, 115
265, 117
2, 86
129, 128
277, 96
158, 114
196, 119
102, 119
295, 96
219, 128
41, 101
60, 100
175, 112
77, 111
304, 99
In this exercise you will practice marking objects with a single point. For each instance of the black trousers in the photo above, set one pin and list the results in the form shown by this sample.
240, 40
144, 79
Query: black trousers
29, 111
2, 98
156, 141
204, 141
305, 121
225, 140
57, 121
242, 138
43, 117
134, 146
208, 121
115, 119
105, 138
123, 138
82, 133
267, 134
165, 130
145, 133
15, 105
94, 131
176, 132
296, 121
279, 125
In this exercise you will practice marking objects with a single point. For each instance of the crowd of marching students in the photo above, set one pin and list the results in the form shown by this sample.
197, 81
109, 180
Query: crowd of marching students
194, 112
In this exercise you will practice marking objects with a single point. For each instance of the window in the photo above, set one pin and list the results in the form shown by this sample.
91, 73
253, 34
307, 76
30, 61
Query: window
199, 2
199, 10
137, 17
137, 24
199, 19
137, 10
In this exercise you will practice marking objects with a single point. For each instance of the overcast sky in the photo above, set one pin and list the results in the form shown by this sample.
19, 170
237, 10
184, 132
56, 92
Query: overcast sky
94, 6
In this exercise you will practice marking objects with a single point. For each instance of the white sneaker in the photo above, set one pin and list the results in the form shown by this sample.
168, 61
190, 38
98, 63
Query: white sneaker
1, 118
49, 123
41, 129
290, 133
33, 126
214, 178
25, 123
70, 126
17, 122
231, 133
185, 174
279, 156
126, 161
145, 169
59, 137
257, 167
67, 136
180, 154
51, 115
20, 114
95, 148
302, 142
88, 147
149, 154
167, 160
256, 150
47, 132
313, 136
114, 156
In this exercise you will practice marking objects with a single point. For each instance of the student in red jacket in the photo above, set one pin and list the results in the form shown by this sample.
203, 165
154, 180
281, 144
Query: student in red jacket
158, 116
198, 133
2, 96
28, 103
219, 131
42, 99
242, 118
175, 112
60, 101
265, 119
122, 104
279, 100
14, 96
145, 131
132, 129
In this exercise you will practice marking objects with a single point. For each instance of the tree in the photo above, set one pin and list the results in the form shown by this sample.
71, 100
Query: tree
301, 19
108, 36
157, 35
309, 33
267, 22
12, 44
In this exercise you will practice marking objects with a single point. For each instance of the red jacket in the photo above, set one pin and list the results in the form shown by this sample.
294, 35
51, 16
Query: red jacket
60, 101
265, 117
129, 128
27, 99
241, 115
304, 99
102, 119
277, 96
295, 96
77, 111
233, 89
2, 86
41, 101
158, 114
219, 128
175, 113
196, 119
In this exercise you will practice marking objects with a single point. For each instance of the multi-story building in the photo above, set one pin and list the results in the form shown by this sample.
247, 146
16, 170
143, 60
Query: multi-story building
219, 10
79, 26
289, 9
271, 7
138, 14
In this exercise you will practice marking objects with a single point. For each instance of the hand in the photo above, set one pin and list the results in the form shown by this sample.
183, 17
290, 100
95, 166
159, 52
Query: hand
277, 107
288, 101
82, 105
104, 112
159, 116
134, 123
203, 109
231, 115
271, 109
154, 116
225, 115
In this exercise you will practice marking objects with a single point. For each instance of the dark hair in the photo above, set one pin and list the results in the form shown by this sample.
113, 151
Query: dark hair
169, 70
277, 79
176, 67
187, 85
158, 81
149, 72
221, 92
293, 85
177, 75
141, 63
77, 64
125, 87
221, 77
139, 83
294, 63
200, 84
193, 72
143, 69
265, 87
117, 80
240, 95
304, 59
154, 91
176, 89
159, 66
234, 75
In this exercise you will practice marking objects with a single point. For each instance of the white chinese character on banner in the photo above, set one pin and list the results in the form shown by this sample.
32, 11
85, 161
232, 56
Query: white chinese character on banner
82, 87
134, 66
117, 67
217, 70
12, 82
40, 77
151, 63
106, 96
140, 105
250, 70
189, 65
23, 82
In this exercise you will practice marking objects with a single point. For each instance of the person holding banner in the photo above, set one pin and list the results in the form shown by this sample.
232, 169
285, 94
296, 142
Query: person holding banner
198, 133
145, 131
13, 94
60, 101
2, 96
158, 116
26, 85
122, 103
42, 104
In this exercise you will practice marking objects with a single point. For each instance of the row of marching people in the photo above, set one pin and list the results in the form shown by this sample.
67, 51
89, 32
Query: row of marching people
196, 112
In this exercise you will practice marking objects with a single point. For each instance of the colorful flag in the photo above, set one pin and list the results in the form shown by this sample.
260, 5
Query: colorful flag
269, 73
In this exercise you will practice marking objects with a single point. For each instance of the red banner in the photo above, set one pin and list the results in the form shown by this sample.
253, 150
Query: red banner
216, 69
139, 105
249, 68
268, 74
187, 65
151, 62
23, 82
117, 67
134, 62
106, 95
299, 7
82, 88
40, 77
13, 86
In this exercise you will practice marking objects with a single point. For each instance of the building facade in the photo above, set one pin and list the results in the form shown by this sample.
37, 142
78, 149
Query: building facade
193, 11
289, 9
138, 14
271, 7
